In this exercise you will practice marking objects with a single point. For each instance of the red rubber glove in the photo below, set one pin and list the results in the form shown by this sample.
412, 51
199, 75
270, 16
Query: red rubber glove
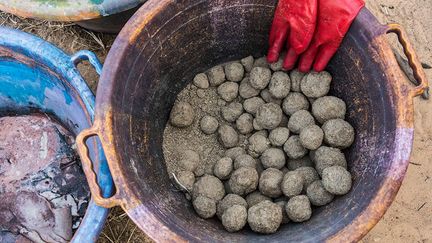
293, 24
334, 20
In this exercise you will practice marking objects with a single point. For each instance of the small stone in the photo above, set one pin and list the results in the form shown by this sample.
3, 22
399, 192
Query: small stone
269, 116
204, 207
234, 71
284, 121
265, 217
228, 137
201, 81
259, 77
201, 93
216, 76
228, 91
318, 195
248, 63
296, 78
256, 197
326, 157
270, 182
252, 105
336, 180
282, 205
294, 102
327, 108
186, 179
294, 149
243, 180
246, 91
292, 183
280, 85
279, 136
189, 160
223, 168
182, 115
234, 152
268, 97
244, 123
311, 137
315, 85
273, 158
232, 111
309, 176
299, 209
257, 145
244, 160
299, 120
294, 164
338, 133
234, 218
209, 125
209, 186
277, 66
261, 62
228, 201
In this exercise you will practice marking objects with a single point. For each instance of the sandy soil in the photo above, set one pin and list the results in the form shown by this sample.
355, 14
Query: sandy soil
408, 219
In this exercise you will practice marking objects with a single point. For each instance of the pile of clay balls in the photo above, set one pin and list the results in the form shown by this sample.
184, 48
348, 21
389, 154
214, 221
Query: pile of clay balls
291, 159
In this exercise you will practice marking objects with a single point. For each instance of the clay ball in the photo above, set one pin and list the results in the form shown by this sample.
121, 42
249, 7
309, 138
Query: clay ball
261, 62
299, 208
189, 160
243, 180
300, 120
232, 111
326, 157
256, 197
292, 183
270, 182
294, 149
253, 104
248, 63
315, 85
182, 115
259, 77
296, 78
244, 160
223, 168
268, 97
273, 158
216, 75
311, 137
244, 123
246, 91
294, 164
234, 152
265, 217
204, 207
234, 71
294, 102
318, 195
309, 175
228, 137
336, 180
186, 179
280, 85
228, 91
282, 205
209, 125
201, 81
279, 136
210, 187
229, 201
328, 108
257, 145
234, 218
338, 133
269, 116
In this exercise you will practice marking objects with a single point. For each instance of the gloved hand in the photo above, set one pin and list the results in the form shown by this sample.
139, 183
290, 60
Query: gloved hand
334, 20
293, 25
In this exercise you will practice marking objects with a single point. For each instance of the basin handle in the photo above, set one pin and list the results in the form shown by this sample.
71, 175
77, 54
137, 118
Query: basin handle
413, 60
85, 55
91, 176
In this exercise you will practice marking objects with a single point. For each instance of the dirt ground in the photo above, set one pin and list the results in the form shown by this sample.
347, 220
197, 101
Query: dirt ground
408, 219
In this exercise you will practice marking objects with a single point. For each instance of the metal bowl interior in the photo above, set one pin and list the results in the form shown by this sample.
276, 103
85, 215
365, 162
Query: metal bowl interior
160, 50
35, 76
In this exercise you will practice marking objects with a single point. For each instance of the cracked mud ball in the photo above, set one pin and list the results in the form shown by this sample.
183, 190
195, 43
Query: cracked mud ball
43, 191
